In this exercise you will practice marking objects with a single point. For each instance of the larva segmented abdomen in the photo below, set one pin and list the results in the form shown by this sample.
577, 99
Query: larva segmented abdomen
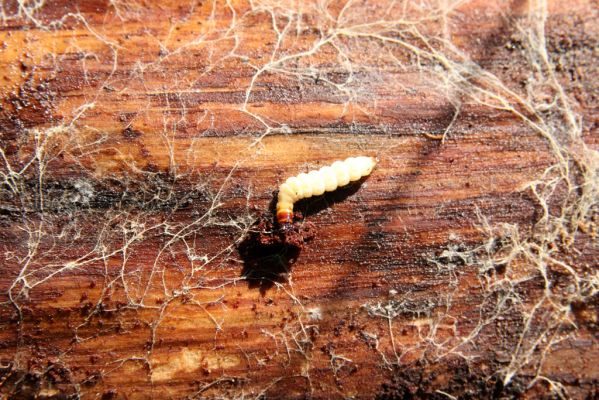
316, 182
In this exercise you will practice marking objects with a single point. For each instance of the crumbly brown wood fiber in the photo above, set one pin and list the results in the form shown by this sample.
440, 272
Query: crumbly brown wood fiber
142, 142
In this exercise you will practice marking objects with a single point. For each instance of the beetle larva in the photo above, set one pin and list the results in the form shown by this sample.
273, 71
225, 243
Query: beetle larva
316, 182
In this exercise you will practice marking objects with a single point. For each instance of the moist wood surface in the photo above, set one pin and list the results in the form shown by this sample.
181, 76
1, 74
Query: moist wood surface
142, 141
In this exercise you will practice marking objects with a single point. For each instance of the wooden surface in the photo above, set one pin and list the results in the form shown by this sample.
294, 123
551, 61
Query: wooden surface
141, 141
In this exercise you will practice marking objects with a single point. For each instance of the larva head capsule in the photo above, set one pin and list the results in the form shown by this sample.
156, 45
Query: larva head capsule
284, 217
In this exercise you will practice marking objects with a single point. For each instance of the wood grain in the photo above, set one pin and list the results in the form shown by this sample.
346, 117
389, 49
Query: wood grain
142, 140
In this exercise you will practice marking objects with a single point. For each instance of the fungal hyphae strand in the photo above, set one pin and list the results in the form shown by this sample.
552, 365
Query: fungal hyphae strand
316, 182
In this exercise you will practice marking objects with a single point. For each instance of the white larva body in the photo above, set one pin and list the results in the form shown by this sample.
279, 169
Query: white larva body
316, 182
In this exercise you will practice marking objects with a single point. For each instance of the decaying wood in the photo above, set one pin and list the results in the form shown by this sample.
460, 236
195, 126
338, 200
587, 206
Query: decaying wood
141, 145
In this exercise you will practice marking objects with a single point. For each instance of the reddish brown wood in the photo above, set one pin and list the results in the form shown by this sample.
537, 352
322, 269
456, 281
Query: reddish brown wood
141, 142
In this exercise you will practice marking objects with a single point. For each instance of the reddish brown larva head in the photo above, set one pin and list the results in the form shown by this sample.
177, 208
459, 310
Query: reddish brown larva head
284, 217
